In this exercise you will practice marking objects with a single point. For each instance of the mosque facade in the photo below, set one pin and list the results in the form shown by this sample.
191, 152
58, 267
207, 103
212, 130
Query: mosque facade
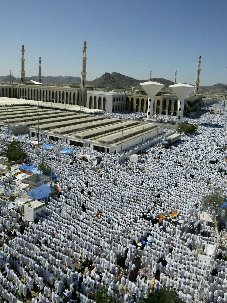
110, 102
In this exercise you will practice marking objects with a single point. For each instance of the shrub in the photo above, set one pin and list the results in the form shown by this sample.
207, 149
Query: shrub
187, 128
14, 152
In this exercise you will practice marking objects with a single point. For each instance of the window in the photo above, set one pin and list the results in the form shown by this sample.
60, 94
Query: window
148, 113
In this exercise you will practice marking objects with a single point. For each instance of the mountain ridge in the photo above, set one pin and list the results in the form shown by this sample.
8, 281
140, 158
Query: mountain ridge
111, 81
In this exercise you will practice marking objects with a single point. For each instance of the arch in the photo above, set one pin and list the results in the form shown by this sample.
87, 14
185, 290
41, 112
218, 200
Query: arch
104, 104
52, 96
90, 102
131, 105
156, 110
63, 97
137, 104
175, 105
59, 96
78, 98
74, 98
95, 102
169, 108
164, 103
127, 103
70, 97
142, 105
56, 97
163, 112
99, 102
9, 94
66, 97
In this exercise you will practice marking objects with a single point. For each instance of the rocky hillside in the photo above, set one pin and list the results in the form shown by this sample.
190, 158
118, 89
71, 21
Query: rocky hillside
214, 89
116, 80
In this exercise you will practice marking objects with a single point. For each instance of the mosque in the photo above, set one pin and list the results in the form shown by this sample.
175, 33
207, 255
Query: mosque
82, 129
110, 102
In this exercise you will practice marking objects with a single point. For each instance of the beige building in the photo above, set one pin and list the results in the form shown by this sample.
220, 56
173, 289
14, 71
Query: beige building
110, 102
165, 104
55, 94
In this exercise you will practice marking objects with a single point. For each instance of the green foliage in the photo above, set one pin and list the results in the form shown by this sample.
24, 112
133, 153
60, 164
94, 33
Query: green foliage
213, 201
14, 152
102, 297
164, 295
187, 128
44, 168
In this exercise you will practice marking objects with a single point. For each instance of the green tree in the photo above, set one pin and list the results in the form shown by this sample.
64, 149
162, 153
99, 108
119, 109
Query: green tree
163, 295
44, 168
187, 128
14, 152
212, 203
102, 297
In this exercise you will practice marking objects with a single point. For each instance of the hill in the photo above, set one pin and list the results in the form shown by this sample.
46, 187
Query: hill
119, 81
214, 89
114, 81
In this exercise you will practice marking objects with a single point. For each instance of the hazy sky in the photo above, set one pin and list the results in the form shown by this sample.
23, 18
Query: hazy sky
127, 36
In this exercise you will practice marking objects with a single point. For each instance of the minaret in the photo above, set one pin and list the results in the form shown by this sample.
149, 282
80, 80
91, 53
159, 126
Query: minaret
83, 73
197, 76
83, 76
22, 79
175, 77
40, 73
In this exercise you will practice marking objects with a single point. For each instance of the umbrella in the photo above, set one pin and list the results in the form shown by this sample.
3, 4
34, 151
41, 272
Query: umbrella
223, 205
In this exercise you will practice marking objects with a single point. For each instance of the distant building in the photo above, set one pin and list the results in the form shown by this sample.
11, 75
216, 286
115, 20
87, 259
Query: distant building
55, 94
110, 102
165, 104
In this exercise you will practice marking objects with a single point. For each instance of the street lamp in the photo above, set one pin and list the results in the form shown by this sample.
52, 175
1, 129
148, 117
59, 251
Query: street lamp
38, 125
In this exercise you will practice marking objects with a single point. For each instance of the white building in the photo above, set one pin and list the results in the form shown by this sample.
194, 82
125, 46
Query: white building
110, 102
32, 209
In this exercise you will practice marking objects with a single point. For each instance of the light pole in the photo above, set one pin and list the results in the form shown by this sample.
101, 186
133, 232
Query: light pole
38, 125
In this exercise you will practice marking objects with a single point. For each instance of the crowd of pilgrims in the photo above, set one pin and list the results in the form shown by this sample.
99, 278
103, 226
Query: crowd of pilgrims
103, 229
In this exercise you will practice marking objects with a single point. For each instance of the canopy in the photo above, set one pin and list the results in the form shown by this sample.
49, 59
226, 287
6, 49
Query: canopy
66, 150
47, 146
40, 192
54, 176
30, 168
223, 205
